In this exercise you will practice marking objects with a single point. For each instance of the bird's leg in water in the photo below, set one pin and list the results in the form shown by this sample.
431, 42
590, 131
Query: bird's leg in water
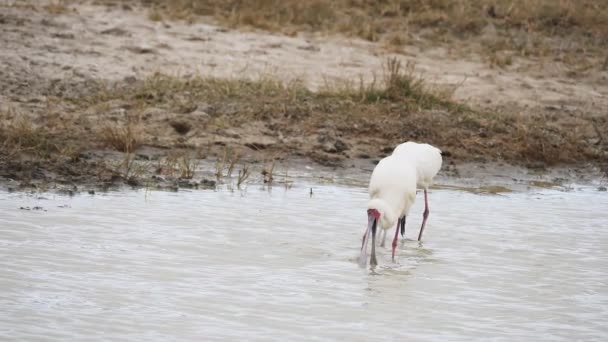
396, 239
383, 238
402, 222
425, 215
372, 260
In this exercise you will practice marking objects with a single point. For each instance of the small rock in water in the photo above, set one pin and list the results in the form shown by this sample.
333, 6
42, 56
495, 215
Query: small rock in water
33, 208
133, 181
206, 183
116, 178
601, 188
187, 183
68, 192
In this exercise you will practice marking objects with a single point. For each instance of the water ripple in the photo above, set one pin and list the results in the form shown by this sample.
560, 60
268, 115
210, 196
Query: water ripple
282, 265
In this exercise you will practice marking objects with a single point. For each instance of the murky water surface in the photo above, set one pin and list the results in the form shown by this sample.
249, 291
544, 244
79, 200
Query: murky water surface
281, 265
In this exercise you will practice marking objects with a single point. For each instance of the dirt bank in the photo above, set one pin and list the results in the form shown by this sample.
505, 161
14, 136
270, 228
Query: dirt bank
98, 94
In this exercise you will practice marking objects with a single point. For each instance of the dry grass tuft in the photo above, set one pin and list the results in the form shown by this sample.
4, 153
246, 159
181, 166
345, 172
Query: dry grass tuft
399, 84
187, 166
244, 174
19, 135
121, 137
268, 169
227, 161
182, 164
235, 156
220, 163
155, 15
57, 7
130, 169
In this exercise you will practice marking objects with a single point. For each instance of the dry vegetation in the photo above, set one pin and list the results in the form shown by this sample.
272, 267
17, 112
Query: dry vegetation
123, 138
30, 151
399, 106
70, 139
367, 117
568, 30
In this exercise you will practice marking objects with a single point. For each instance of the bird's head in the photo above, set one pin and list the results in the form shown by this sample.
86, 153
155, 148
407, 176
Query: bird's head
373, 214
378, 210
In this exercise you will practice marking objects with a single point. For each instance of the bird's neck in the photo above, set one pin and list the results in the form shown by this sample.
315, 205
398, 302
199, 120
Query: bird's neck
387, 214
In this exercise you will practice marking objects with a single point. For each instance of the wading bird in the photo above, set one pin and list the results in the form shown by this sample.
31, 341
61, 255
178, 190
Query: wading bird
427, 160
392, 191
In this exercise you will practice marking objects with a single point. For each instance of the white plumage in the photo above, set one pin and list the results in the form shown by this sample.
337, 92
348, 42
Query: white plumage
427, 160
392, 191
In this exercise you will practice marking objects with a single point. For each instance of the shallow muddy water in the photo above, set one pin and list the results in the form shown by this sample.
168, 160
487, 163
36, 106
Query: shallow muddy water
282, 265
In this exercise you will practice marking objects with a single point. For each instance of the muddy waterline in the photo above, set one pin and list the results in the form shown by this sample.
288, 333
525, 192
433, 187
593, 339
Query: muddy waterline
281, 264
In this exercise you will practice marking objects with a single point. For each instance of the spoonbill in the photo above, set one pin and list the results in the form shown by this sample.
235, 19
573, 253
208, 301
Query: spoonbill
392, 192
427, 160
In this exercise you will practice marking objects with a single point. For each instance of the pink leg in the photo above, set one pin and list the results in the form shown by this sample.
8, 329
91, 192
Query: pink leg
396, 239
425, 215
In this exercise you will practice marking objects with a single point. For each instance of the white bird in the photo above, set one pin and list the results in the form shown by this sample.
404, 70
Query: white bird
427, 160
392, 191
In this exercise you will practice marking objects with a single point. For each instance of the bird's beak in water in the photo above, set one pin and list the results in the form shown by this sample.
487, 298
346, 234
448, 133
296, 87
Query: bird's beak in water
363, 256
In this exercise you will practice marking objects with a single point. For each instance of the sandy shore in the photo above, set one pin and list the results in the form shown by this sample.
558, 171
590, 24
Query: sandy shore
52, 60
